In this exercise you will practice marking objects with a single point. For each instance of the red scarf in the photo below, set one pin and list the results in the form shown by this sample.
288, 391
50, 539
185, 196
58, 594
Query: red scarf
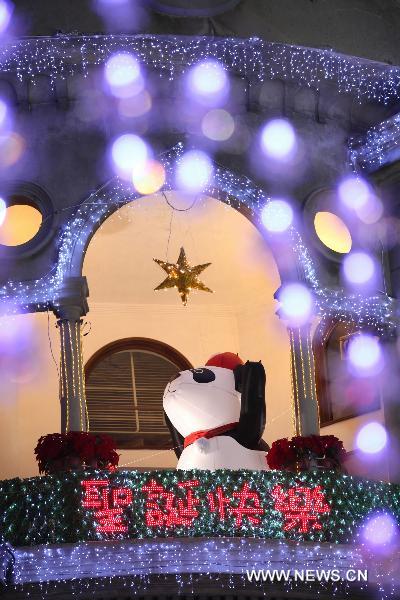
208, 433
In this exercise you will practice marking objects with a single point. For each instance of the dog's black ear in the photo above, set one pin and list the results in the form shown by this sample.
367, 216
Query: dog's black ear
177, 439
250, 379
237, 373
262, 445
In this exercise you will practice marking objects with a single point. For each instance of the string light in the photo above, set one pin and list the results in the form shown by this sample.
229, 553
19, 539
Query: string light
109, 512
377, 147
311, 371
94, 505
177, 512
59, 509
376, 311
301, 507
255, 60
296, 421
281, 509
65, 55
302, 370
83, 377
64, 386
142, 564
74, 378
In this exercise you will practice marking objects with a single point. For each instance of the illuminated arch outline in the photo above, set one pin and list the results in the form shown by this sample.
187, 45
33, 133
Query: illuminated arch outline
233, 189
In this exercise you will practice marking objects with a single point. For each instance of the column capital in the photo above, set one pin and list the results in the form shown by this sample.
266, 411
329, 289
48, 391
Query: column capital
71, 302
68, 312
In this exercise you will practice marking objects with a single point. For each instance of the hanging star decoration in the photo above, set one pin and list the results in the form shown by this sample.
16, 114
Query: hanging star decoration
182, 276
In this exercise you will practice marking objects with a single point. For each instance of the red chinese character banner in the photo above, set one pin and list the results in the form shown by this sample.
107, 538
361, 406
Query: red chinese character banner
108, 504
321, 506
184, 505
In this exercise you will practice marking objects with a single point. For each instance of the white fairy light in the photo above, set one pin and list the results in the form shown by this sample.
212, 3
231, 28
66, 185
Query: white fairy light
376, 311
378, 146
253, 59
277, 216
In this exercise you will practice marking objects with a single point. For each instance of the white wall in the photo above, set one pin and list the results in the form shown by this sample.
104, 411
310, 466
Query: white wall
29, 396
262, 336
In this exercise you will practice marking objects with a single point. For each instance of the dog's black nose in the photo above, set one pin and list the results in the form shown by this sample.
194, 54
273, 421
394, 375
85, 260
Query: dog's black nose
203, 375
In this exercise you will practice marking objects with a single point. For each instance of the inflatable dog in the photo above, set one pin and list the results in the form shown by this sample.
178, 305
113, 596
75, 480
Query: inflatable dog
216, 415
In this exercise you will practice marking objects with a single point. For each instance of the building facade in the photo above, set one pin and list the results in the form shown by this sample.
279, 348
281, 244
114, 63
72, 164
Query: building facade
77, 275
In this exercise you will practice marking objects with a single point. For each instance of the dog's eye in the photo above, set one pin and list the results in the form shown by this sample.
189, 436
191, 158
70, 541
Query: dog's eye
203, 375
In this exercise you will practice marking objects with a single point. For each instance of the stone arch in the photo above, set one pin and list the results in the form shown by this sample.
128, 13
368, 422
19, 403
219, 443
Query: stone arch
237, 191
65, 290
104, 256
50, 290
227, 186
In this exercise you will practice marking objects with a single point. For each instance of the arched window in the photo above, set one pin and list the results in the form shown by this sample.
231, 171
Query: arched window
125, 381
340, 395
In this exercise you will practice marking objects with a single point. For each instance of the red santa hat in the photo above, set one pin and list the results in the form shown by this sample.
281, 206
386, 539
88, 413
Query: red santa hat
226, 360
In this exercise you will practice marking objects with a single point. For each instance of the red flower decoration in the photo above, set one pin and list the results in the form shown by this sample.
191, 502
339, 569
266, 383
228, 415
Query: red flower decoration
75, 449
301, 452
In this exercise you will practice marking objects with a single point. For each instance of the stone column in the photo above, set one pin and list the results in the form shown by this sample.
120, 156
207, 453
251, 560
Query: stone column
70, 307
390, 396
302, 367
391, 405
306, 411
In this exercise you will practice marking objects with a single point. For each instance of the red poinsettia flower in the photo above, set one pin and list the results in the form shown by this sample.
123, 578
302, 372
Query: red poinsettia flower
281, 454
75, 449
302, 451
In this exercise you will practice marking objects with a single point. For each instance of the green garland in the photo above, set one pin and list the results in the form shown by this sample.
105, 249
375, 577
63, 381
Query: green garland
49, 510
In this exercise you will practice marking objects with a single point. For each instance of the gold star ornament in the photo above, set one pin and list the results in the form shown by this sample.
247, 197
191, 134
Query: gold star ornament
182, 276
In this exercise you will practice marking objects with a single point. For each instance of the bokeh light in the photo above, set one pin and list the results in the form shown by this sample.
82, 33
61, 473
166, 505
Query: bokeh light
297, 304
365, 355
277, 216
193, 172
149, 178
135, 106
359, 268
354, 192
3, 211
12, 146
20, 354
218, 125
379, 529
129, 152
208, 82
123, 16
372, 438
6, 11
278, 139
123, 75
3, 113
370, 212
